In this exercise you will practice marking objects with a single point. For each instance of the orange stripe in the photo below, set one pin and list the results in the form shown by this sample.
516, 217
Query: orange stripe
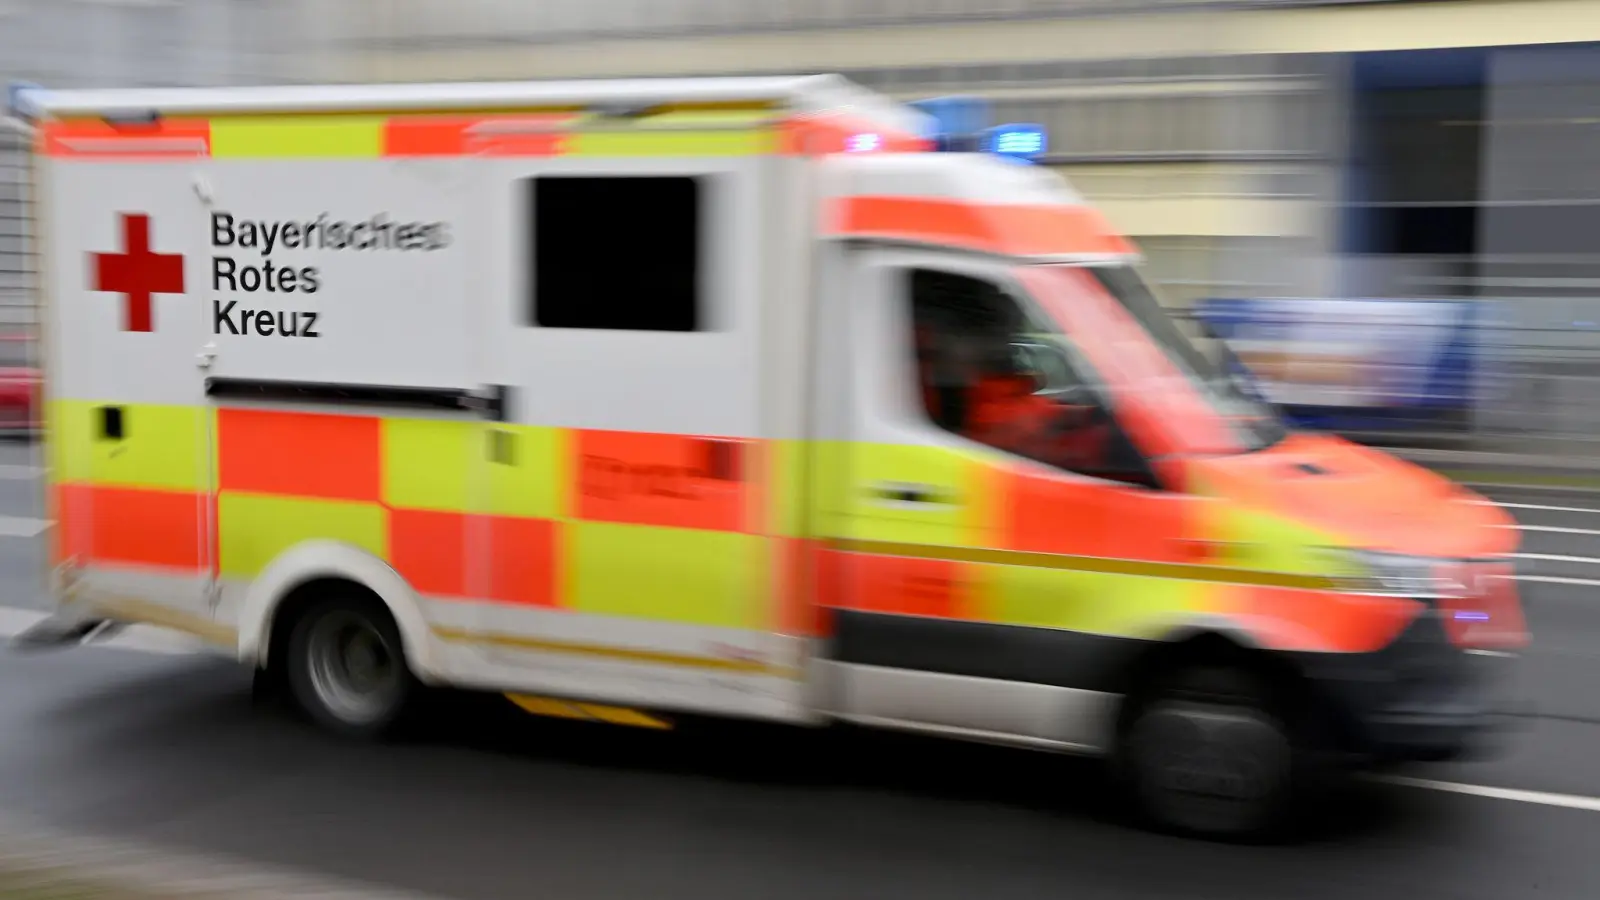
300, 454
429, 550
160, 529
820, 135
1106, 521
97, 138
799, 582
475, 135
432, 551
1008, 229
72, 536
902, 585
523, 561
662, 479
1317, 621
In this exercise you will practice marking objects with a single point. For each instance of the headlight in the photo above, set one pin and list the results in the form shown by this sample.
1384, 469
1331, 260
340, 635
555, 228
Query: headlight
1398, 574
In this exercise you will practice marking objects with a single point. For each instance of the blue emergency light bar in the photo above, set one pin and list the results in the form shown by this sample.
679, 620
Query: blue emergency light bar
961, 125
1026, 142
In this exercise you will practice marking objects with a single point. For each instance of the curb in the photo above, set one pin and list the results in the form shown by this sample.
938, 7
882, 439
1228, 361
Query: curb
1483, 459
43, 861
1505, 469
1481, 478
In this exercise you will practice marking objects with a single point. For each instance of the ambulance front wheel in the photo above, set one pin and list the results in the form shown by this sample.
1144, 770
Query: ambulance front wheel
346, 666
1208, 752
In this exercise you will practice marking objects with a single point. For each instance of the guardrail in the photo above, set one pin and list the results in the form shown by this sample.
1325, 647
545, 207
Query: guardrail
1439, 374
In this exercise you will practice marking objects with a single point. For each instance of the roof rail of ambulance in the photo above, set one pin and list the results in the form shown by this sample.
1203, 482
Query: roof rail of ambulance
20, 103
801, 93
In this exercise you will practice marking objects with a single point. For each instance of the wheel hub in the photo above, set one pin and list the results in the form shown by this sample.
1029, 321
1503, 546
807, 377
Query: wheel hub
353, 672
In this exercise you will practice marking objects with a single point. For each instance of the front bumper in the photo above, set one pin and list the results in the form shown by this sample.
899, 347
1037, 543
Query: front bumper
1420, 699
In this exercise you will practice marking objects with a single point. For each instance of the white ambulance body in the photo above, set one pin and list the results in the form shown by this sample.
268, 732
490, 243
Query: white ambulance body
284, 345
625, 396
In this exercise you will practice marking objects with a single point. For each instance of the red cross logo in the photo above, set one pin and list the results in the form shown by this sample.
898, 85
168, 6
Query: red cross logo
136, 273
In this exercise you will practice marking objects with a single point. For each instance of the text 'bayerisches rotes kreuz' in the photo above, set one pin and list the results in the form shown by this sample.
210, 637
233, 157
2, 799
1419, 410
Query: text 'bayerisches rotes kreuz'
247, 259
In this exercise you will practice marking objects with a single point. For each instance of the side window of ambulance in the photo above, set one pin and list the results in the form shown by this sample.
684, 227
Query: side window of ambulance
989, 372
614, 252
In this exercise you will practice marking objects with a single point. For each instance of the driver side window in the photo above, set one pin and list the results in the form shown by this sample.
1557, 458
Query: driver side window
989, 370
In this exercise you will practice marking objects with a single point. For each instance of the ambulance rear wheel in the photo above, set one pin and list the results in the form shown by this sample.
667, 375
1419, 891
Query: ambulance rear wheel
346, 666
1207, 752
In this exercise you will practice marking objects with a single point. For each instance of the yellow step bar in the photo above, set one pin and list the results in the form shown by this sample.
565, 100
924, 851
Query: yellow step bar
586, 712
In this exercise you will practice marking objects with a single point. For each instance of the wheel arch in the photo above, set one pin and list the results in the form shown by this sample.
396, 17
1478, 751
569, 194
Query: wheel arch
1220, 641
301, 571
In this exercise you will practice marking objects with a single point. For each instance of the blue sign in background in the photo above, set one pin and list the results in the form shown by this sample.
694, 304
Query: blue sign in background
1394, 363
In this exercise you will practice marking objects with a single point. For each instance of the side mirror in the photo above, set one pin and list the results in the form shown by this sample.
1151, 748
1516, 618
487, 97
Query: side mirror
1050, 365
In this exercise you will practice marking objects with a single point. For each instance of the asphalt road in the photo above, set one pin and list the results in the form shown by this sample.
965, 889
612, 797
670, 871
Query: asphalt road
491, 804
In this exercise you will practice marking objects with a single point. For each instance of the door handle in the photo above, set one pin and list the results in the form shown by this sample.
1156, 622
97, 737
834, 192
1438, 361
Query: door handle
898, 493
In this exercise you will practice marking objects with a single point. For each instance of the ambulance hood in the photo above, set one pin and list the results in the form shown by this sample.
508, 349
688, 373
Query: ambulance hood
1371, 500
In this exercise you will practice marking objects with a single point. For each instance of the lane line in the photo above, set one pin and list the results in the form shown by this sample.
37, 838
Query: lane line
1557, 579
1552, 557
1538, 506
14, 472
1553, 529
1543, 798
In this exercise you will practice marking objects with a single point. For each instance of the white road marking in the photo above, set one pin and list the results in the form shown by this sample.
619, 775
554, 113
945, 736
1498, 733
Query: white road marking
1571, 509
1553, 557
13, 472
1557, 579
1551, 529
1543, 798
141, 638
22, 526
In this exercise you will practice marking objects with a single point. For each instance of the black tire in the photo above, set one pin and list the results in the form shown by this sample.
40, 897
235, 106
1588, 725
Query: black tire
1216, 752
345, 667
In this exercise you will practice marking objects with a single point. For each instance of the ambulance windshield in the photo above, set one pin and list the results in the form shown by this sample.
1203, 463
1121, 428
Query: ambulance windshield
1247, 423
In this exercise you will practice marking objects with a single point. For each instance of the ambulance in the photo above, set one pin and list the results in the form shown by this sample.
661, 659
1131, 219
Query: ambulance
635, 399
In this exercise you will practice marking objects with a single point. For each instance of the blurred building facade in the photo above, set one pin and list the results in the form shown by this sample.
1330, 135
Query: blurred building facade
100, 43
1273, 147
1278, 147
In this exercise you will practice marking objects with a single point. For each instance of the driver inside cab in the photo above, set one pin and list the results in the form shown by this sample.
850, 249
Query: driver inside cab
981, 377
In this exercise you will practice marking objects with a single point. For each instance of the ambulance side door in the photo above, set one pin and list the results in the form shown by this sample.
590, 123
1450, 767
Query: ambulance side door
125, 270
627, 556
942, 615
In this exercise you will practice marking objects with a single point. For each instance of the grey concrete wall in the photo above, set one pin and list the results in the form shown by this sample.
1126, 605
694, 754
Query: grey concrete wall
16, 259
115, 43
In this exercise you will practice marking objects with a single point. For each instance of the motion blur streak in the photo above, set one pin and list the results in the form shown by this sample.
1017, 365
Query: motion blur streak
1377, 217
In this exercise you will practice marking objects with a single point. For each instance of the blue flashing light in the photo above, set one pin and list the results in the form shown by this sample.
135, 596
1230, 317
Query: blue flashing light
1021, 141
17, 104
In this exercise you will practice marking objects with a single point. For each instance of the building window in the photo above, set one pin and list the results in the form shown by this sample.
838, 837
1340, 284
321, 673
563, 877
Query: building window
620, 253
